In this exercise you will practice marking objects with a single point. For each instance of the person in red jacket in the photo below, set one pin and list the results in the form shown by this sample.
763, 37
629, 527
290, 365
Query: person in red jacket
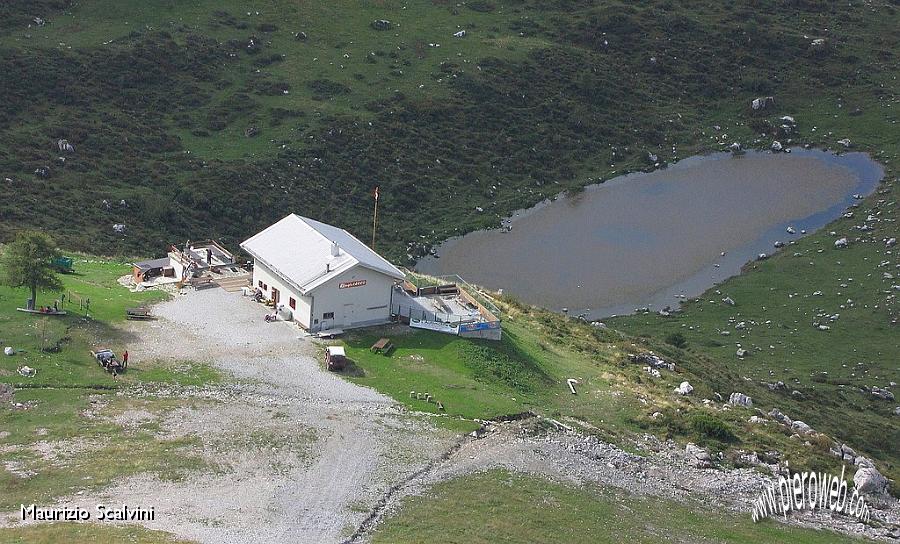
125, 357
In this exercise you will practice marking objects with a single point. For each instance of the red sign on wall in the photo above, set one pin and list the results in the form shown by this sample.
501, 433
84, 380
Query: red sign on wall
349, 284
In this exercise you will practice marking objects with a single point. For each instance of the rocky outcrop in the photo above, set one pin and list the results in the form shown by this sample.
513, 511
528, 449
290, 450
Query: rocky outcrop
869, 480
648, 358
740, 399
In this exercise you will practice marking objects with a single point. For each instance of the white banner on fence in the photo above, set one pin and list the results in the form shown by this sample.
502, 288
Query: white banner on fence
433, 326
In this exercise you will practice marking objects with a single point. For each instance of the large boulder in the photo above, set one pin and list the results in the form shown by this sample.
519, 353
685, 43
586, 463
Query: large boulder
869, 480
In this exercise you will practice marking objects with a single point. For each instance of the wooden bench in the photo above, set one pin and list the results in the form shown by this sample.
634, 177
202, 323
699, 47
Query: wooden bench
138, 313
383, 346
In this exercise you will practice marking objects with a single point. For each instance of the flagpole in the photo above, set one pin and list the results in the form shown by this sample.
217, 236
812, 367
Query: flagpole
374, 218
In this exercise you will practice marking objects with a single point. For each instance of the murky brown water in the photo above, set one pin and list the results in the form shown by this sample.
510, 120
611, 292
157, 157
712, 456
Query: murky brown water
644, 239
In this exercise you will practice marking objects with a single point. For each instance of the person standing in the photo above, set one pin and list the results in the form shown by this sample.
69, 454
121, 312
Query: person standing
125, 357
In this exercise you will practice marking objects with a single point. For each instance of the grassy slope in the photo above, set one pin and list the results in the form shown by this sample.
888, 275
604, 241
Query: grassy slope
616, 398
486, 379
70, 384
498, 507
537, 98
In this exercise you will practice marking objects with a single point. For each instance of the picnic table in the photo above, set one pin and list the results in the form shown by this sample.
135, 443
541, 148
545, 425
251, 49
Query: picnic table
383, 346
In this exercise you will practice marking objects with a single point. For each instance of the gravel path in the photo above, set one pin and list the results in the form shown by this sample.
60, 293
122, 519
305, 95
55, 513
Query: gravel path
338, 446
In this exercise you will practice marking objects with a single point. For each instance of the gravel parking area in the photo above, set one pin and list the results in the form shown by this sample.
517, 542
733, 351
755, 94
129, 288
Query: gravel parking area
305, 454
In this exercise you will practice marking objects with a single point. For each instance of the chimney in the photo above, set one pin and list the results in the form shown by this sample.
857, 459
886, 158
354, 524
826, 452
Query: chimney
335, 249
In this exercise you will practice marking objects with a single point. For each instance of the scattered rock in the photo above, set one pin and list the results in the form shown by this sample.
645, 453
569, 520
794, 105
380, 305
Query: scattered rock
776, 415
27, 372
251, 132
8, 350
845, 142
741, 353
6, 393
698, 456
776, 146
801, 427
64, 146
883, 394
841, 243
757, 420
652, 360
119, 228
762, 102
381, 24
728, 300
891, 242
740, 399
846, 453
684, 389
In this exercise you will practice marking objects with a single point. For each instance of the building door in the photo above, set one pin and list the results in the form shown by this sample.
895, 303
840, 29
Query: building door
349, 315
275, 294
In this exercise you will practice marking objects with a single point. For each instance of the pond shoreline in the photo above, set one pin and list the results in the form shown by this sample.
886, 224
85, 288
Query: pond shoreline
622, 231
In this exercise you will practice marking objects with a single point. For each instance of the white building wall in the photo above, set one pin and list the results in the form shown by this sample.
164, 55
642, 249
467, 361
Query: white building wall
261, 273
368, 304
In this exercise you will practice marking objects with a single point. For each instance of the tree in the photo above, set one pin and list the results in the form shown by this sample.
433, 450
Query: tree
28, 262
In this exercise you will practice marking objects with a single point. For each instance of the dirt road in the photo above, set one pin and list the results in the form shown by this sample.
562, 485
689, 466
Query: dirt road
305, 454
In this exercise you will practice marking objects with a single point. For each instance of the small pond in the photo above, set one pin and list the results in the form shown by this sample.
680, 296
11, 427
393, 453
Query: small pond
649, 239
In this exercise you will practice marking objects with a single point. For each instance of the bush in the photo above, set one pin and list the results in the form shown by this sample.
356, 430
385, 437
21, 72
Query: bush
676, 339
710, 426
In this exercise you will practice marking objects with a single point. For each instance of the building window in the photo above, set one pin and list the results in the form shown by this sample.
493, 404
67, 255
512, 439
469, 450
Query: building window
328, 315
292, 303
261, 284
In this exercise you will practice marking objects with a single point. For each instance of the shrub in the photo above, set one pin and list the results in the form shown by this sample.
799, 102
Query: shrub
676, 339
710, 426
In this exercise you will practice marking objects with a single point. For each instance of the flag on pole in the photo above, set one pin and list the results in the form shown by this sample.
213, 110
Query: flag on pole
376, 193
